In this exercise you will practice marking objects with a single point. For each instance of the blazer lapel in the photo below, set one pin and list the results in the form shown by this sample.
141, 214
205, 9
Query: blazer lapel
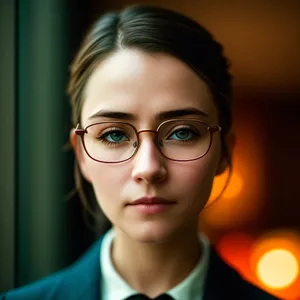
221, 281
84, 277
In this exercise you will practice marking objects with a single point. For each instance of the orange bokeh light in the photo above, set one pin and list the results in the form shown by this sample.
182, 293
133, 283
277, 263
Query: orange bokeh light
277, 268
232, 190
275, 263
234, 187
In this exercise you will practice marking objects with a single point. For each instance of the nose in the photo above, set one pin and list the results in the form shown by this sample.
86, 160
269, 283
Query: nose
148, 162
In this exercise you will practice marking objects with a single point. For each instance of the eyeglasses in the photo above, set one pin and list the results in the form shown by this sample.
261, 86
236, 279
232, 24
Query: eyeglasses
176, 139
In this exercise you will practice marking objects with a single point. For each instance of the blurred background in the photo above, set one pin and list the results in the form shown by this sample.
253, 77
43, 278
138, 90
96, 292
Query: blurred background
255, 225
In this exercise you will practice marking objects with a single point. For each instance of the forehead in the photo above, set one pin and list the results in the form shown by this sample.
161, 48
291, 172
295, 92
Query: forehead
144, 84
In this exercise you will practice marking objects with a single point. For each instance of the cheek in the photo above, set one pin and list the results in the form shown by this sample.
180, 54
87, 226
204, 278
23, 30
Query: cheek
193, 180
106, 179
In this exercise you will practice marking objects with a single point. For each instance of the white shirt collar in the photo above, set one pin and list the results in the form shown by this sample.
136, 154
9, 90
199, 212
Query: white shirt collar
114, 287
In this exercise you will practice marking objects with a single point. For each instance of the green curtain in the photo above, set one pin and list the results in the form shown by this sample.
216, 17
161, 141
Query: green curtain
42, 43
7, 144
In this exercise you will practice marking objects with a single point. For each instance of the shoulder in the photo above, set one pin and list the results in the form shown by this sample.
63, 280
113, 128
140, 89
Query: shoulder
254, 292
45, 288
250, 291
222, 280
69, 283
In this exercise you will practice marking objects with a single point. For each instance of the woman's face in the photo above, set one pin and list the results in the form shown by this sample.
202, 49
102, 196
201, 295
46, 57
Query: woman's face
144, 85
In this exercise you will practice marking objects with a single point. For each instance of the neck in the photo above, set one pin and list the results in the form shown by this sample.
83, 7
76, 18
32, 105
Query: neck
154, 268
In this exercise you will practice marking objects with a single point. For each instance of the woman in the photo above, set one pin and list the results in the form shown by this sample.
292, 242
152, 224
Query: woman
150, 92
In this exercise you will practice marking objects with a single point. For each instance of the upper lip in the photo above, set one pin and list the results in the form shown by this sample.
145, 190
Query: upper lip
152, 200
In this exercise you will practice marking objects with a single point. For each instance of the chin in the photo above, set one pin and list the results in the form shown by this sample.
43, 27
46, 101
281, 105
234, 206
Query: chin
152, 233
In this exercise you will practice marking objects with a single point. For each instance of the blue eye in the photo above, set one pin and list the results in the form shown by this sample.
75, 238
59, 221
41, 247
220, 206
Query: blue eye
116, 136
182, 134
113, 137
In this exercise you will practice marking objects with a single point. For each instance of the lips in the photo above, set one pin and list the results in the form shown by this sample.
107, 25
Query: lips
152, 200
151, 205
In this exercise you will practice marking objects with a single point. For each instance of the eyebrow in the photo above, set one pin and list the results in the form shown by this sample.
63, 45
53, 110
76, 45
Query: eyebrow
161, 116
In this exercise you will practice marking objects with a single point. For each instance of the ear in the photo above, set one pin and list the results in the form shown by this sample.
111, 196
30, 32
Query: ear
79, 154
230, 141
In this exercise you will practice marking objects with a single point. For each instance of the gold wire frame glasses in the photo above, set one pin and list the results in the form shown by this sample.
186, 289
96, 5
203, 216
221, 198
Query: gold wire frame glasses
176, 139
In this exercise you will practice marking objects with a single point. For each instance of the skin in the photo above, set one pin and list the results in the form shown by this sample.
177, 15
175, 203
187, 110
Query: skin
145, 84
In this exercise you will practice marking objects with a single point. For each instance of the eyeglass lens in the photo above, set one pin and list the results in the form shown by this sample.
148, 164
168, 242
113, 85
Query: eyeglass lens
178, 140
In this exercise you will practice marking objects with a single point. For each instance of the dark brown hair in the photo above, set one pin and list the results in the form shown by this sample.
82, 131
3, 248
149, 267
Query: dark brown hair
152, 29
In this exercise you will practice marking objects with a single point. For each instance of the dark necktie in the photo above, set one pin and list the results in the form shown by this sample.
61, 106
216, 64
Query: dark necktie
144, 297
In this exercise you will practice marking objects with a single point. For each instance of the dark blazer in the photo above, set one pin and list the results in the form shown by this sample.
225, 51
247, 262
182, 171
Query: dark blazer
81, 281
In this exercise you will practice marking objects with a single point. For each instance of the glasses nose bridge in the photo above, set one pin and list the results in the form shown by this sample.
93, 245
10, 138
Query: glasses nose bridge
155, 132
147, 130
